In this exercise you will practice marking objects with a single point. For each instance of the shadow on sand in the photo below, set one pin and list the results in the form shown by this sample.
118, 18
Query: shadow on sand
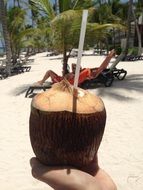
131, 83
20, 90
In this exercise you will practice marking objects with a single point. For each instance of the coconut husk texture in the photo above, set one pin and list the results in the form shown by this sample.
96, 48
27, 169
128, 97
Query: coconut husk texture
66, 128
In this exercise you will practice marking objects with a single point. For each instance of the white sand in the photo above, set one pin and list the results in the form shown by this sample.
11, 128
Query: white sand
121, 151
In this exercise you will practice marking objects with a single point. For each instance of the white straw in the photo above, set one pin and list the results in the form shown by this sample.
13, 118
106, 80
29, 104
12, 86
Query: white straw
80, 47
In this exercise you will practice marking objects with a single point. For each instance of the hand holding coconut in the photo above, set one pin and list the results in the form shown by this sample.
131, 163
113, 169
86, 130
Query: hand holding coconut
66, 128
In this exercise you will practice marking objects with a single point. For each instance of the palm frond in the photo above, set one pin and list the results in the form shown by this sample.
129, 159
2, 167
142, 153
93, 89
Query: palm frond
82, 4
45, 6
67, 16
28, 32
64, 5
96, 26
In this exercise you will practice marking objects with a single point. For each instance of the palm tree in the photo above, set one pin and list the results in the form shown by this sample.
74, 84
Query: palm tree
16, 25
129, 19
3, 16
128, 7
18, 32
138, 32
66, 25
34, 13
124, 52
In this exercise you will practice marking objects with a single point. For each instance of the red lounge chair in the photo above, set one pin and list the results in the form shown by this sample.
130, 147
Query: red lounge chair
105, 63
100, 74
89, 74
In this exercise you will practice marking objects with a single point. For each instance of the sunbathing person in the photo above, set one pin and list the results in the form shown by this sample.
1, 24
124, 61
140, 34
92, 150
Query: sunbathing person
87, 73
84, 74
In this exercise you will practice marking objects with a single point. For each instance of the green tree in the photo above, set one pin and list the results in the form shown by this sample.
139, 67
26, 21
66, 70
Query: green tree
138, 31
66, 25
17, 31
3, 17
124, 52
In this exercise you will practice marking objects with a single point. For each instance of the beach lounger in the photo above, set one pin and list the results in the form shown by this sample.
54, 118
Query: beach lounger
14, 70
101, 74
33, 87
120, 74
54, 53
20, 67
133, 58
3, 75
98, 74
104, 77
3, 72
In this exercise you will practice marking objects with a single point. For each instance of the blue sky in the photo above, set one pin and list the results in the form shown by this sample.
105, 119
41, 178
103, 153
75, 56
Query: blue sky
10, 2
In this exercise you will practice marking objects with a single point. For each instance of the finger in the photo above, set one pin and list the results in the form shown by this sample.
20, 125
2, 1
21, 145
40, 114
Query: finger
33, 162
35, 167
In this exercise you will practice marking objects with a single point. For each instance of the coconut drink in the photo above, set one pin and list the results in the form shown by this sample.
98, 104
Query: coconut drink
66, 126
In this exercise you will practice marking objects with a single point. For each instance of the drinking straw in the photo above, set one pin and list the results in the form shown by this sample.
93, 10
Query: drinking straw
80, 47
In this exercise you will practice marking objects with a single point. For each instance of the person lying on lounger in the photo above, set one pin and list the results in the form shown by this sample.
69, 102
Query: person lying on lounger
84, 74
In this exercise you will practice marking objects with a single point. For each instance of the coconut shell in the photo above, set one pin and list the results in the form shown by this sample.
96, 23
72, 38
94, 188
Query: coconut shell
66, 128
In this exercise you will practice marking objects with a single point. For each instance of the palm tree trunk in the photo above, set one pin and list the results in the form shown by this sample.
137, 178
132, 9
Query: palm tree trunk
14, 3
18, 3
65, 62
6, 35
56, 7
125, 51
138, 33
129, 26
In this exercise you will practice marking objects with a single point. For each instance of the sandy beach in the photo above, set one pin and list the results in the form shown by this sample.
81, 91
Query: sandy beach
121, 151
